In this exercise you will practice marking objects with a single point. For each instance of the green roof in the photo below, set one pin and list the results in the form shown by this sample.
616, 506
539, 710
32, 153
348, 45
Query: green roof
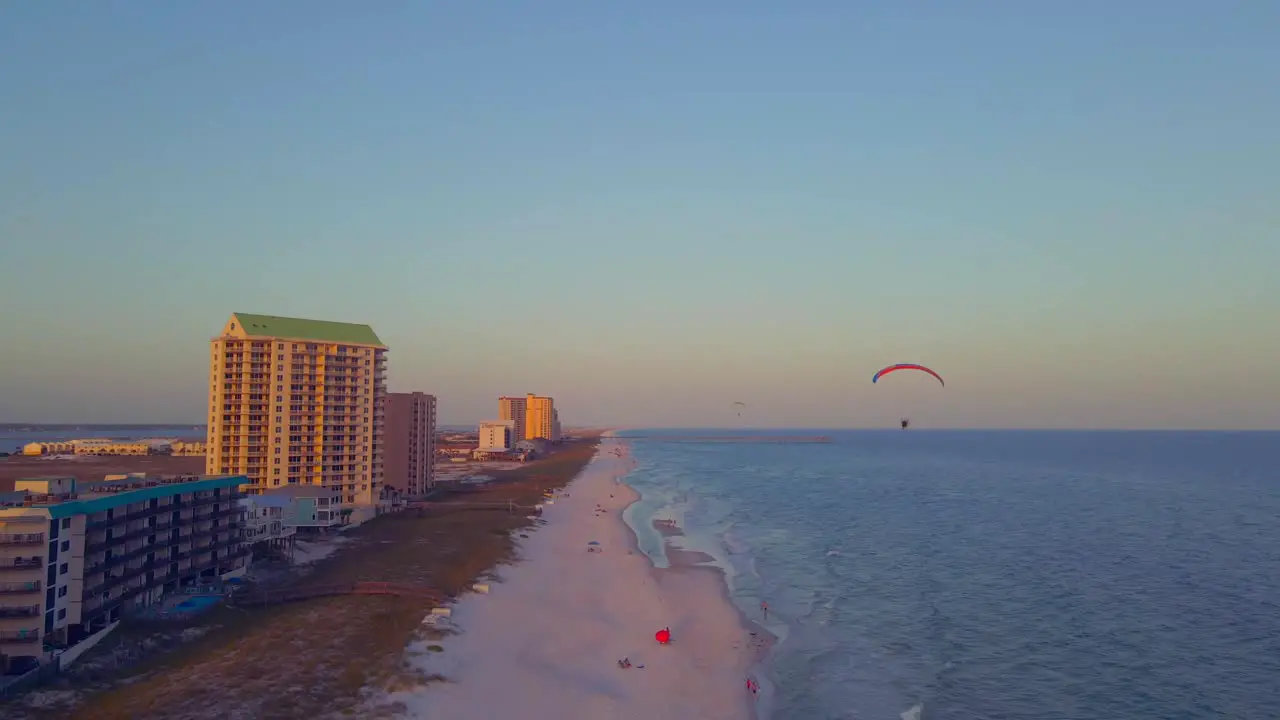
315, 330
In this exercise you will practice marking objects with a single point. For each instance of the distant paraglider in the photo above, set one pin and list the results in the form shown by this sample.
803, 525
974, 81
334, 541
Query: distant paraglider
739, 407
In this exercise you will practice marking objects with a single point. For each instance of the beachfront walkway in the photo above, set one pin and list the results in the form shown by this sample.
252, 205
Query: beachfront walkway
546, 641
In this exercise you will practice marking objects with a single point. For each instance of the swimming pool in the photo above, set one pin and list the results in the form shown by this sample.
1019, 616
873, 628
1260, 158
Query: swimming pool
197, 604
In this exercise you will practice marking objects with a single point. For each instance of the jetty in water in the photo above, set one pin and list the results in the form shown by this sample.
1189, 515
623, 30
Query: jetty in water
729, 438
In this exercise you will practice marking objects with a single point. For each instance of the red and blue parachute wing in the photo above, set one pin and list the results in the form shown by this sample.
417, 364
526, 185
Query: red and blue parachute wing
907, 366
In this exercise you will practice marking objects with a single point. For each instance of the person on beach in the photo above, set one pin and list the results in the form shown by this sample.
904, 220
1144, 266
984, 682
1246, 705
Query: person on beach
764, 608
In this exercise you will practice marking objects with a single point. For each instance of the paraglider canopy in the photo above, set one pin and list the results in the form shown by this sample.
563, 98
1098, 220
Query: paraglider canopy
739, 407
663, 636
906, 366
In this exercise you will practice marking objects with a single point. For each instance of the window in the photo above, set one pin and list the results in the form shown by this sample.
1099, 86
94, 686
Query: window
66, 522
66, 545
62, 591
62, 614
62, 569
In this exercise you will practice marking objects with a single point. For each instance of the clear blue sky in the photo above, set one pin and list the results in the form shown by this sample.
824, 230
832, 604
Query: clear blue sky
651, 209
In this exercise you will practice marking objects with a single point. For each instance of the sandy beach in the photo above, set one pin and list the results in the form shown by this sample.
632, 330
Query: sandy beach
546, 641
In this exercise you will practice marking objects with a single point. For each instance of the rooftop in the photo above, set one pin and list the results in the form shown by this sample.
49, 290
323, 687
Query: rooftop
108, 494
301, 329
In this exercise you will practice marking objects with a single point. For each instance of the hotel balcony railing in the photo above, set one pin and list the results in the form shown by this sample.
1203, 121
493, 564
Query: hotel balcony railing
157, 529
23, 564
138, 515
20, 636
21, 538
12, 611
20, 588
159, 563
121, 558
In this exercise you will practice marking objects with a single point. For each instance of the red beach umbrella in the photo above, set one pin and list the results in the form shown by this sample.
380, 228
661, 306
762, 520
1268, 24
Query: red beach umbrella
663, 636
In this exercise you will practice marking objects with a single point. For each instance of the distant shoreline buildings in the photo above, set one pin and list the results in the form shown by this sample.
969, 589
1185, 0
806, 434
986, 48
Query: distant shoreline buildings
106, 447
533, 417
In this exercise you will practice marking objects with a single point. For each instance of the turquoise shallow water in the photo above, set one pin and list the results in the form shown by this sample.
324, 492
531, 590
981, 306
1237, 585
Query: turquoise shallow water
960, 575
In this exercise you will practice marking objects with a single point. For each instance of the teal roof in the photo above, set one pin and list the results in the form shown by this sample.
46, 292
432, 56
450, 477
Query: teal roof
100, 504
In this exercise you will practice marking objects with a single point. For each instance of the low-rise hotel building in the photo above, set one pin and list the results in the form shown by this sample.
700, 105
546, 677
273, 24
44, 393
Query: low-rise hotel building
91, 446
75, 557
497, 436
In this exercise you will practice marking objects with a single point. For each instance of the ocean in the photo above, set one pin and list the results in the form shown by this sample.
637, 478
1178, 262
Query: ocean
965, 575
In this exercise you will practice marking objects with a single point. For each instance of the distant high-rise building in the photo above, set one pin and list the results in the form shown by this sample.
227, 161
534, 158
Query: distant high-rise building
411, 442
542, 422
298, 402
513, 409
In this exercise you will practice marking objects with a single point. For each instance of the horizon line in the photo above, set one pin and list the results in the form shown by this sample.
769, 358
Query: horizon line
735, 428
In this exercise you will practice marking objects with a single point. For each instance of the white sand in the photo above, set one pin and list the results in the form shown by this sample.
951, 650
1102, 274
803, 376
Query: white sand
545, 642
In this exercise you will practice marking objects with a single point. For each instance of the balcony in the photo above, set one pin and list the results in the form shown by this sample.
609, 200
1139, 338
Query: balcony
103, 544
22, 564
21, 538
20, 636
20, 588
12, 611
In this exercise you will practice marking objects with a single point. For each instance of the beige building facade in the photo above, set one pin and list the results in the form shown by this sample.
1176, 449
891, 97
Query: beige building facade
411, 442
298, 402
497, 436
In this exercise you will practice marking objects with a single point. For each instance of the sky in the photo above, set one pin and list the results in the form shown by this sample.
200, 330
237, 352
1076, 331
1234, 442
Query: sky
650, 210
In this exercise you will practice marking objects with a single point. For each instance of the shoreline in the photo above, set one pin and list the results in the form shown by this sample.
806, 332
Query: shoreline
758, 639
553, 629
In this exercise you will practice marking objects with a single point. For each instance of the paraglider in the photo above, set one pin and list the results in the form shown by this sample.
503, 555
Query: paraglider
906, 422
739, 407
906, 366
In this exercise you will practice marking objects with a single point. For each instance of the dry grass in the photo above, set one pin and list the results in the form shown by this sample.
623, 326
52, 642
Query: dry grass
313, 659
94, 468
